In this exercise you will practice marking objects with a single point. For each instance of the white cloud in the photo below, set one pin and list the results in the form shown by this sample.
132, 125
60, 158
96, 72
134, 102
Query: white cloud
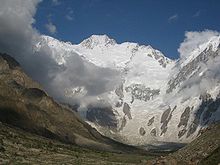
208, 74
193, 40
16, 32
173, 18
51, 27
18, 38
69, 17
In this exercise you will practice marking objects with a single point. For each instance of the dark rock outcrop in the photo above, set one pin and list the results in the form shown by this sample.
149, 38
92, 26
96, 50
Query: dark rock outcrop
102, 116
127, 110
142, 131
123, 123
204, 112
12, 63
182, 132
153, 132
184, 117
165, 118
151, 121
141, 92
119, 91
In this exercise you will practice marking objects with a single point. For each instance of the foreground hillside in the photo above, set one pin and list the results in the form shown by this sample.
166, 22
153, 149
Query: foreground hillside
34, 129
20, 147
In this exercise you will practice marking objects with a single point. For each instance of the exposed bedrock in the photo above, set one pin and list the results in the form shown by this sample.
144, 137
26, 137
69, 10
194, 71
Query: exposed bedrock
153, 132
206, 110
184, 117
140, 92
102, 116
127, 110
119, 91
142, 131
151, 121
165, 118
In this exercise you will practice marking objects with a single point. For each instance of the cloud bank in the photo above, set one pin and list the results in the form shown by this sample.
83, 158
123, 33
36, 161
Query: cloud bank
19, 39
193, 40
207, 73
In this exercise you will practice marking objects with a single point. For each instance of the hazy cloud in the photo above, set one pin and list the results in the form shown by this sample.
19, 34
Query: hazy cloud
70, 15
51, 27
56, 2
197, 14
17, 36
19, 39
173, 18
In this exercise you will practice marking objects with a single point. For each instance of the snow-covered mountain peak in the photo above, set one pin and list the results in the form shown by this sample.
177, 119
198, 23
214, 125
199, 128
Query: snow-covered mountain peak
105, 52
97, 40
153, 99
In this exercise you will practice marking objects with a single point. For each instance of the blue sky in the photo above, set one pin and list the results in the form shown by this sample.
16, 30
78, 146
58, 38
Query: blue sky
160, 23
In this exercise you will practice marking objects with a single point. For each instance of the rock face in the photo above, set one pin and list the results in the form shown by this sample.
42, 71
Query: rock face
151, 121
119, 91
123, 123
141, 92
127, 110
24, 104
184, 117
153, 132
184, 121
102, 116
165, 118
142, 131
